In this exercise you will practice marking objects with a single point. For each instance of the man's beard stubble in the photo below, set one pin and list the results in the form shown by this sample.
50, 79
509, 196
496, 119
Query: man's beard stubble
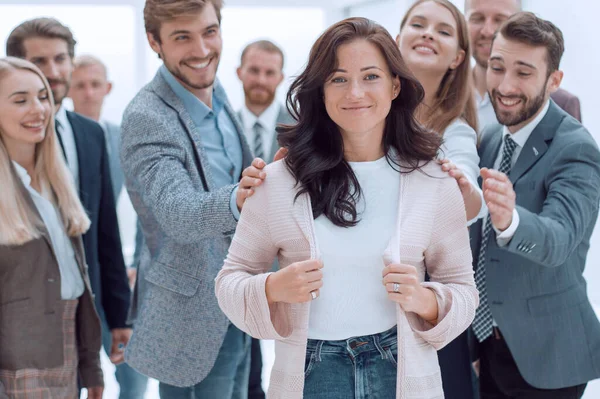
530, 107
257, 99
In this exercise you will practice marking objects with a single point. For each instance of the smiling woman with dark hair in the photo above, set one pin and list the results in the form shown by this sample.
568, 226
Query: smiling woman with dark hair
356, 214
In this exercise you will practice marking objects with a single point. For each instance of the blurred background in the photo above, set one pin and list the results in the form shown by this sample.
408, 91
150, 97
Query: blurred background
113, 30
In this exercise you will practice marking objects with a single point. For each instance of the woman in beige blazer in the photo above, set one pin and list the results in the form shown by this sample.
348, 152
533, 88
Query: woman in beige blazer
356, 213
49, 329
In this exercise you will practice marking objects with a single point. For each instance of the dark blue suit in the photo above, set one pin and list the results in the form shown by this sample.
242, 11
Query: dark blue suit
102, 242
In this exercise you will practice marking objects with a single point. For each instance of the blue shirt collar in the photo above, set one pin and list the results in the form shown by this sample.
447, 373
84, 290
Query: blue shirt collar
191, 103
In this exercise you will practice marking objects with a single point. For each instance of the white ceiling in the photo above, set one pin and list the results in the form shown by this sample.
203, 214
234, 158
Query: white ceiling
328, 4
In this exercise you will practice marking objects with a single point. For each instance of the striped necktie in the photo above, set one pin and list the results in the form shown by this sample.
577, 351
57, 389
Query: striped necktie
259, 131
483, 322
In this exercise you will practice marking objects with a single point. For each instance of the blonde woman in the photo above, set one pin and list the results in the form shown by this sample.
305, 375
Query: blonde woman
49, 329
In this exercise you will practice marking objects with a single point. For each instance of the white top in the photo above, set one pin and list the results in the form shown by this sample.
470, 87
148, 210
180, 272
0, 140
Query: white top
353, 301
460, 146
485, 111
68, 141
268, 120
71, 282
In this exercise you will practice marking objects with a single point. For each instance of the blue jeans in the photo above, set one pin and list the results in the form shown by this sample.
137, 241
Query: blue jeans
228, 378
132, 384
359, 367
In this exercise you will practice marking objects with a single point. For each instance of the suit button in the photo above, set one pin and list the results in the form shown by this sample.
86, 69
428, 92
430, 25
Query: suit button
50, 280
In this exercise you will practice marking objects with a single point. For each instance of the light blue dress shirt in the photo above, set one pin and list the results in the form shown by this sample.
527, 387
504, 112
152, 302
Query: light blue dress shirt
220, 138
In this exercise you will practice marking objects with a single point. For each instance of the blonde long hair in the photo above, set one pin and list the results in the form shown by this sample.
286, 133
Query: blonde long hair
18, 219
454, 98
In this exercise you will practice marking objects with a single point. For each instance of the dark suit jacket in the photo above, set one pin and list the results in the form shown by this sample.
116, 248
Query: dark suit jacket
568, 102
102, 241
31, 309
535, 285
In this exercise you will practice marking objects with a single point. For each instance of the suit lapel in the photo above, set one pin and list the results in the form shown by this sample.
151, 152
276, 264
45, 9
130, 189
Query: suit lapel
537, 144
81, 150
489, 148
163, 90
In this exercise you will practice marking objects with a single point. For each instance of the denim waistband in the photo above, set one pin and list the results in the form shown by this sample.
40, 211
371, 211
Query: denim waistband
356, 345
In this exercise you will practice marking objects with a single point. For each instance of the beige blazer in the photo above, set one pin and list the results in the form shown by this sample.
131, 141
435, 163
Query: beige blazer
431, 234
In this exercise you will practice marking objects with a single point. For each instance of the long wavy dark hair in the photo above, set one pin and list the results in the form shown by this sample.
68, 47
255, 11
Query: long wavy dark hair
315, 146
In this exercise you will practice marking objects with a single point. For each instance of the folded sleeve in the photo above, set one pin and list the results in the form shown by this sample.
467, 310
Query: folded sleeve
240, 285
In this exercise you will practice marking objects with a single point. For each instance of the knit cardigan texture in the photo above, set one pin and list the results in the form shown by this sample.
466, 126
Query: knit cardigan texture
431, 234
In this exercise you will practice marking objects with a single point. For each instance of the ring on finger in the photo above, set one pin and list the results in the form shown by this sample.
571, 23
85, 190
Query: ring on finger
313, 294
396, 287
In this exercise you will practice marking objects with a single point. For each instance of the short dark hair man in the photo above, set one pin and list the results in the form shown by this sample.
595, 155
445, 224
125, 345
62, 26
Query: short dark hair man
50, 45
484, 17
537, 334
183, 153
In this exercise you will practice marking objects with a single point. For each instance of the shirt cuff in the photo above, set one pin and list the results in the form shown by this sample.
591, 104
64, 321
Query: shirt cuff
504, 237
233, 204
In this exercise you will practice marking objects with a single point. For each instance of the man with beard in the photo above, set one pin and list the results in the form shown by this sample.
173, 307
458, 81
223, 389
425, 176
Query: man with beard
535, 330
484, 17
50, 45
182, 152
261, 72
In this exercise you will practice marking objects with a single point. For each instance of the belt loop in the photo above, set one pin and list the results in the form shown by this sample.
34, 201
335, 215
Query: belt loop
377, 343
318, 350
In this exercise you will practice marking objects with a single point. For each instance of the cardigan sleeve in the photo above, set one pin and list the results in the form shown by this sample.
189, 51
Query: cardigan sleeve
240, 285
449, 264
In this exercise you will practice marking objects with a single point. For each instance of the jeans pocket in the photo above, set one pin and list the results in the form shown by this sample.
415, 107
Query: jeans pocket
309, 363
391, 352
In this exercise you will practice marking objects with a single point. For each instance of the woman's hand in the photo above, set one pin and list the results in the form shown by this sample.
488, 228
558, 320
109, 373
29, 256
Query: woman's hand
297, 283
252, 176
403, 287
471, 196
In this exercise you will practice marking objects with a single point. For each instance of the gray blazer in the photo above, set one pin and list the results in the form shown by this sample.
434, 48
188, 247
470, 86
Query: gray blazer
187, 224
535, 285
112, 134
283, 118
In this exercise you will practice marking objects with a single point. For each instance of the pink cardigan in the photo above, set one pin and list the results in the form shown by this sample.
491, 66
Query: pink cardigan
431, 234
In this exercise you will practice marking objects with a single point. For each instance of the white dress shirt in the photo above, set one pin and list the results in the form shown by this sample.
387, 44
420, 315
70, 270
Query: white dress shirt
353, 301
485, 111
520, 137
71, 282
68, 140
460, 146
268, 120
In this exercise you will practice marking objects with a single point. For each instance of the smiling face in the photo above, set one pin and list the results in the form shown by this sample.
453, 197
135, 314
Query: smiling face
358, 95
190, 48
25, 109
484, 17
260, 73
518, 81
52, 57
429, 39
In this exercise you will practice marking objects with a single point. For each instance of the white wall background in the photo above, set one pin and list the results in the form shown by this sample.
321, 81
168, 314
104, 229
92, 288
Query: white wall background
113, 31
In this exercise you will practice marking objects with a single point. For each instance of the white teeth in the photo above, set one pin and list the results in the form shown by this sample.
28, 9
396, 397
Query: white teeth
509, 102
34, 125
423, 48
199, 66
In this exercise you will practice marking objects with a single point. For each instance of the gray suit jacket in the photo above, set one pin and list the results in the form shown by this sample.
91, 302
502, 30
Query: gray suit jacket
112, 134
187, 224
283, 118
535, 285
